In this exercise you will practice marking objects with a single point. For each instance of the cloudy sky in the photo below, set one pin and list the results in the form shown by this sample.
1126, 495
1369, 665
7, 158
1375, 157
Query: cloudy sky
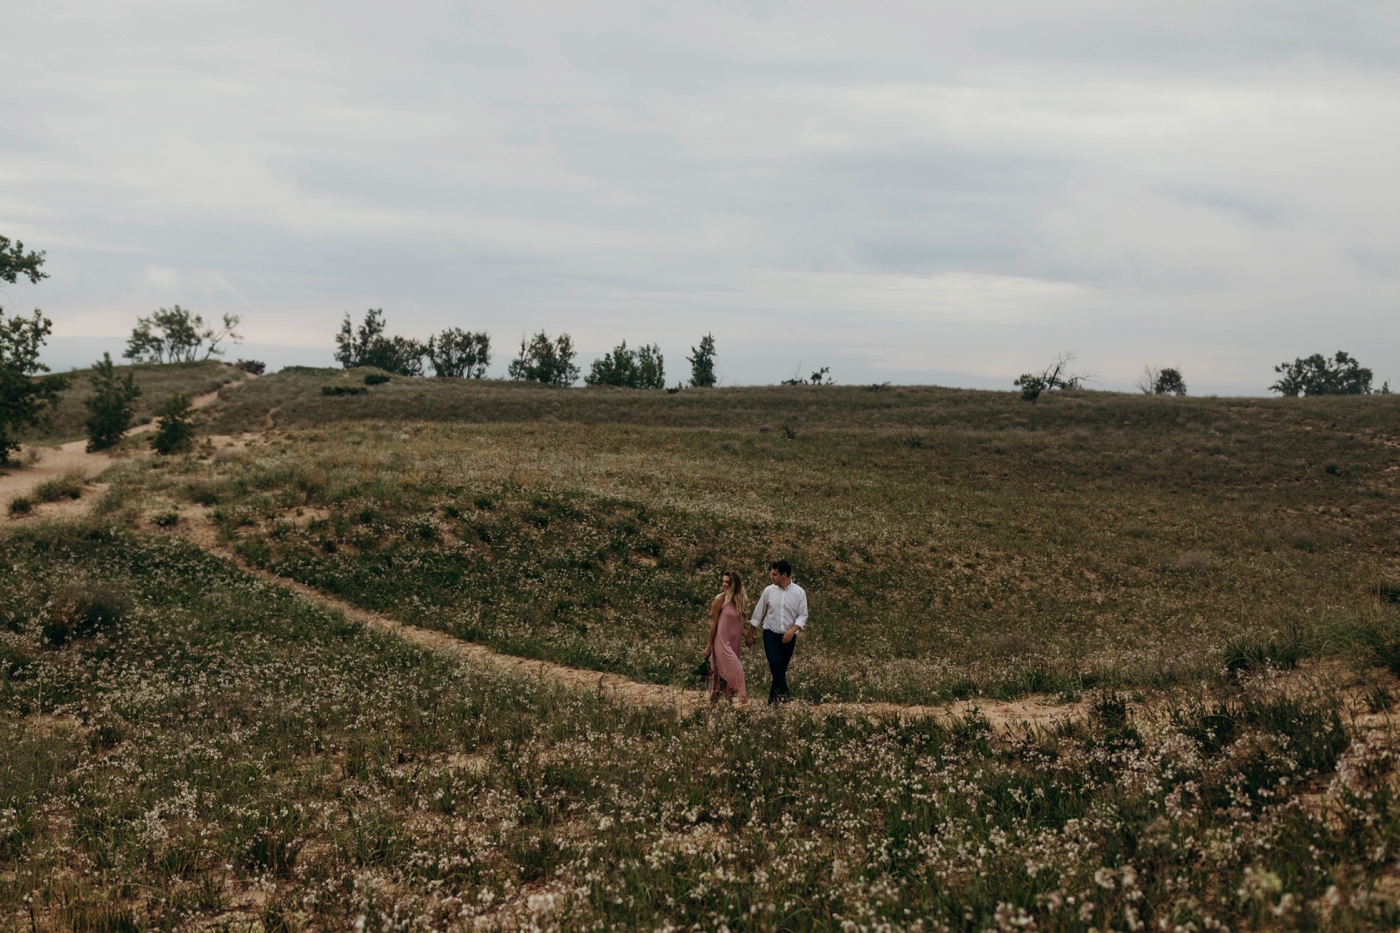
915, 192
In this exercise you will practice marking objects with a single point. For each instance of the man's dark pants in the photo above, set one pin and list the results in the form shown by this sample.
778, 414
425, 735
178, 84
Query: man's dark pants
779, 655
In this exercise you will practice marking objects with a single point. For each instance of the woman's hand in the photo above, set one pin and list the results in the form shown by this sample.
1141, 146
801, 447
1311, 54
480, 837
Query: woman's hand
708, 651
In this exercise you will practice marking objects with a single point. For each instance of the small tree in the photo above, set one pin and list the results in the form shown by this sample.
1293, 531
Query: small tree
1167, 381
457, 353
109, 407
643, 368
26, 397
821, 377
14, 262
1054, 376
543, 360
1318, 375
175, 432
368, 346
702, 363
175, 335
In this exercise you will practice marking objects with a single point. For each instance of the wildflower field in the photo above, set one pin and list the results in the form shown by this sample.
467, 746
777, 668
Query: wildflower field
187, 747
953, 543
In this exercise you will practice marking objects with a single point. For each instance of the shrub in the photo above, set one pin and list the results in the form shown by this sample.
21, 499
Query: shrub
1055, 376
1166, 381
1320, 375
84, 609
174, 335
368, 346
166, 519
702, 363
251, 367
377, 379
343, 390
1331, 467
25, 396
21, 505
175, 433
109, 407
548, 361
67, 486
457, 354
642, 368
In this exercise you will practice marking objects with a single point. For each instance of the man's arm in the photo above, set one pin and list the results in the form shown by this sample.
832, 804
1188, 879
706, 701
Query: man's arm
760, 609
800, 623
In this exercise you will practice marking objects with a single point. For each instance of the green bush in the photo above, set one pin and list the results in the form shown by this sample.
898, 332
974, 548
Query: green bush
109, 407
344, 390
67, 486
21, 505
175, 433
84, 609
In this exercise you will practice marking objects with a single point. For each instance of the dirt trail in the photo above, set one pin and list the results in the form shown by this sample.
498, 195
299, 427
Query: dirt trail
195, 528
38, 465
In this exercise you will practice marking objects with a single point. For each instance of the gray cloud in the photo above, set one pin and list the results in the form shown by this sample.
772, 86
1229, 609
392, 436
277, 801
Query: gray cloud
940, 192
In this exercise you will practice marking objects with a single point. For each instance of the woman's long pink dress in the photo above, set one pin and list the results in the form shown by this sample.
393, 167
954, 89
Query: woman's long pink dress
729, 673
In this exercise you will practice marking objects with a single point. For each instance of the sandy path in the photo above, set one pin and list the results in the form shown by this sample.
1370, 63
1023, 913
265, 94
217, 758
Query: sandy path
195, 528
70, 458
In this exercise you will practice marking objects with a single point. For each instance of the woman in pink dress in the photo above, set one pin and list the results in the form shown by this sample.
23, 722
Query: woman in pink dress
727, 631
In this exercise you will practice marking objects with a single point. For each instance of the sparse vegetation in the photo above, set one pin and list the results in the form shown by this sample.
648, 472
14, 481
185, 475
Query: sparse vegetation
1093, 539
459, 354
546, 361
26, 396
370, 346
251, 367
702, 364
1055, 376
1320, 375
175, 433
110, 406
642, 368
177, 335
1165, 381
67, 486
232, 755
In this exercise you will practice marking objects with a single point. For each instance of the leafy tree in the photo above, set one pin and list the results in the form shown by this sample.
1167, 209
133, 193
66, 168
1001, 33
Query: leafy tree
175, 433
1167, 381
14, 262
24, 399
174, 335
1319, 375
543, 360
457, 353
1054, 376
702, 363
109, 407
643, 368
368, 346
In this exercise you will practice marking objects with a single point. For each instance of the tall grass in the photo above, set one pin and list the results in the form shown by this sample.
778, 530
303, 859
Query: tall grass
223, 753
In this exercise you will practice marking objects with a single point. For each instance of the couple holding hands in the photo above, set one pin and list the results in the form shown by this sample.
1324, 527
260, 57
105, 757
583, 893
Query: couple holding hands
781, 612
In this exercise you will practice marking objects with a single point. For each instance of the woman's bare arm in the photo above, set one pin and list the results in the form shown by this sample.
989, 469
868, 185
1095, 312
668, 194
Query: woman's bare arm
715, 607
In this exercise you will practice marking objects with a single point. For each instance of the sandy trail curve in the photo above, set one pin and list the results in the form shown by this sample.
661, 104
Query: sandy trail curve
195, 528
71, 458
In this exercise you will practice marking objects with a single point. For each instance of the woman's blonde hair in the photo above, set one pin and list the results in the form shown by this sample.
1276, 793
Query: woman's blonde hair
737, 594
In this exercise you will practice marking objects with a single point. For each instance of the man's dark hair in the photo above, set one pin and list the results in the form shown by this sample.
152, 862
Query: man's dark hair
782, 566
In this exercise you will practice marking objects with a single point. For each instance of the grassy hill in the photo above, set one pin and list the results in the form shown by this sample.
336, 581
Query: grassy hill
157, 381
952, 542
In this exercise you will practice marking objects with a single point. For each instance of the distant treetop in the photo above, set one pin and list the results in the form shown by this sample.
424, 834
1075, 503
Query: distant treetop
14, 262
1319, 375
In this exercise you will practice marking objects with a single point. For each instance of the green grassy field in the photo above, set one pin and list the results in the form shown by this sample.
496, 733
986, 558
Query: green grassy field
953, 543
184, 747
157, 382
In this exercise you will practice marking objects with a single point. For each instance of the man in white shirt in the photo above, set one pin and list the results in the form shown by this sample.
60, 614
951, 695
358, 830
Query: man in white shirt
782, 612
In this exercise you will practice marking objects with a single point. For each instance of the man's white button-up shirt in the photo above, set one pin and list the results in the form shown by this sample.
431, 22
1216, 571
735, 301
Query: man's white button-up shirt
779, 609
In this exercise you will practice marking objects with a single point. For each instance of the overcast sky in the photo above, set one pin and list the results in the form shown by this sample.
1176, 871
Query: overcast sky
915, 192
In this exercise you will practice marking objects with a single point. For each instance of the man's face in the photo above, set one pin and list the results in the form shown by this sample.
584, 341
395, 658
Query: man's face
779, 578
